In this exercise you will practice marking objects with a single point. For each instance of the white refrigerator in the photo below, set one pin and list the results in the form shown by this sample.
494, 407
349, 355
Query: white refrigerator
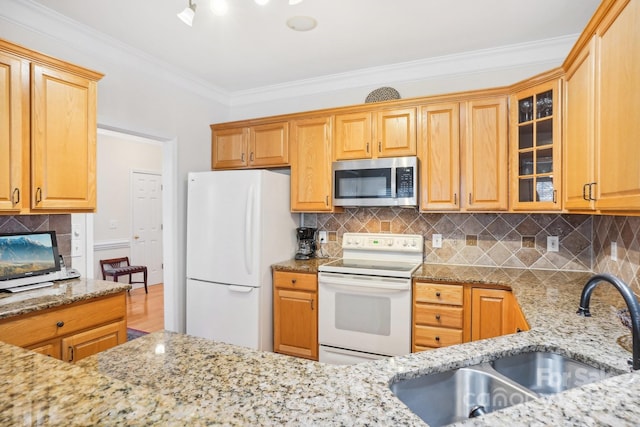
238, 224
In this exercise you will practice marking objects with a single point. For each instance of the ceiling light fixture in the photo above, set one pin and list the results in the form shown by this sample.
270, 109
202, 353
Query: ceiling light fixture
301, 23
292, 2
188, 14
261, 2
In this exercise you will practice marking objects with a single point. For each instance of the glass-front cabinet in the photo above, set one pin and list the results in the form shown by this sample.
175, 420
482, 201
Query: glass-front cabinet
535, 150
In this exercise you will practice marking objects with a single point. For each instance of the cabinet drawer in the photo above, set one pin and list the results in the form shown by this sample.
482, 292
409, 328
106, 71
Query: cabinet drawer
439, 294
41, 326
430, 336
439, 315
302, 281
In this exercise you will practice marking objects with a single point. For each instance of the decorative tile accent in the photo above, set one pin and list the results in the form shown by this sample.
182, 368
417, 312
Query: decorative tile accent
626, 232
498, 236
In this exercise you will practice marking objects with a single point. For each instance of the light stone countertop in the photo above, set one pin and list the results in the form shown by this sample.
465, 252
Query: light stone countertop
166, 377
60, 293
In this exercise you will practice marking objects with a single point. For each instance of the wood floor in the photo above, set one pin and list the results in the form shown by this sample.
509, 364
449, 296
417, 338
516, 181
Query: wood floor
145, 312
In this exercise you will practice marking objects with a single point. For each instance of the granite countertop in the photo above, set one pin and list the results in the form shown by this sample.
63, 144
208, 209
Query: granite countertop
60, 293
147, 380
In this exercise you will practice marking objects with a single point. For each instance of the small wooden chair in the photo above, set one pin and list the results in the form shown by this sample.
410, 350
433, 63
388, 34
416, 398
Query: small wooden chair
117, 267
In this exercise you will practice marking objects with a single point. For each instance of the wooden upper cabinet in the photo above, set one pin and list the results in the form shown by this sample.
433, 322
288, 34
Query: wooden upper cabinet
63, 140
535, 148
578, 169
47, 133
617, 106
383, 133
14, 132
269, 144
311, 165
440, 157
484, 155
258, 146
228, 148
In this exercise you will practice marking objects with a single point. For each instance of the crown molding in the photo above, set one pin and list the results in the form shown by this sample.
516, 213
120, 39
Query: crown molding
41, 20
549, 52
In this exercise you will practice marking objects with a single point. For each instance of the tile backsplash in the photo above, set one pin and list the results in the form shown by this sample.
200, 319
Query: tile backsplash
501, 239
61, 224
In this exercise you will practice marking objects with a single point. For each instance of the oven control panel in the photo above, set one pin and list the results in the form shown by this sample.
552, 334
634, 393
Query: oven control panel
386, 242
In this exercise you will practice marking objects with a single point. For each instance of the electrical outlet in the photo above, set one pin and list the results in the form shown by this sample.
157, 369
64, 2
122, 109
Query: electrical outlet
553, 244
436, 240
322, 236
614, 251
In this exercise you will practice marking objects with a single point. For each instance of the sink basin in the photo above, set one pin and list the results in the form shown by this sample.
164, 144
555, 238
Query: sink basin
452, 396
447, 397
547, 373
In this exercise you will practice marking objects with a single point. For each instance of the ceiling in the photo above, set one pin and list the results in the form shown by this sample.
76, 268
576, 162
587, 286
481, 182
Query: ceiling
251, 47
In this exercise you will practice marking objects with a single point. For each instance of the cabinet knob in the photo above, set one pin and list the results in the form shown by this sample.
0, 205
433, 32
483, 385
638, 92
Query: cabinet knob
293, 281
60, 324
437, 317
437, 338
438, 294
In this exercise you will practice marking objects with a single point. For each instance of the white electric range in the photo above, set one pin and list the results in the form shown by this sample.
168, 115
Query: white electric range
365, 298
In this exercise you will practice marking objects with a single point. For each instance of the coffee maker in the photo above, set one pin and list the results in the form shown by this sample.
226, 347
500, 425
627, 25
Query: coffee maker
306, 243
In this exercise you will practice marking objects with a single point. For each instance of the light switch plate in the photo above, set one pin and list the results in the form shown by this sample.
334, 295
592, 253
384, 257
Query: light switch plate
553, 244
614, 251
322, 236
436, 240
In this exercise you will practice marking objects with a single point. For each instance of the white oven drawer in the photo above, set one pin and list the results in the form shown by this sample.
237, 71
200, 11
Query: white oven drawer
365, 313
340, 356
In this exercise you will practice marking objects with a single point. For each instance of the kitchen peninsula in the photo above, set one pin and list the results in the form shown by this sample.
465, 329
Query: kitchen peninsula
167, 378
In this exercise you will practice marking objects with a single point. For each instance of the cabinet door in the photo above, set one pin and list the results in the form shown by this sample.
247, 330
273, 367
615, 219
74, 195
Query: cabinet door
579, 132
88, 343
229, 148
14, 134
63, 140
440, 157
485, 170
311, 165
618, 103
395, 133
535, 148
491, 313
353, 138
49, 348
269, 145
295, 323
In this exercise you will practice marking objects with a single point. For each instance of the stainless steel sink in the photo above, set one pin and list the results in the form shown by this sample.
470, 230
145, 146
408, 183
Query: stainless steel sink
547, 373
447, 397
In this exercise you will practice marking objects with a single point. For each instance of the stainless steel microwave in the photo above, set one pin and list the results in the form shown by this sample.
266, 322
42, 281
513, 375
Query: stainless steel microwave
390, 181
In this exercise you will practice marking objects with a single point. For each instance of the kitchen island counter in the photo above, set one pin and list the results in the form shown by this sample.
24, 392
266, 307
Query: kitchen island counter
145, 380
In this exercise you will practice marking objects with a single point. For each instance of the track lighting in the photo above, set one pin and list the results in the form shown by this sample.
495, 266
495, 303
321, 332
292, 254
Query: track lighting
188, 14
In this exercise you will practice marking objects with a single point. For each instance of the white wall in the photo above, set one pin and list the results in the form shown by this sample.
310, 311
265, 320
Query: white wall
119, 155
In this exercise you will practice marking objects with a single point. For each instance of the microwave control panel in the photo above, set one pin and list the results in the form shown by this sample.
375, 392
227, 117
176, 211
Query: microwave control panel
404, 182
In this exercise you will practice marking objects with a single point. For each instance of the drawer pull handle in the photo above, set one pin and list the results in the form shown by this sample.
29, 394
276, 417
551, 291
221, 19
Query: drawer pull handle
70, 354
60, 324
437, 317
438, 294
437, 338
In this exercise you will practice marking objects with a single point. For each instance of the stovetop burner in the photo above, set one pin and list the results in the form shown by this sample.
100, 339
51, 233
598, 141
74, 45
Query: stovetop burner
390, 255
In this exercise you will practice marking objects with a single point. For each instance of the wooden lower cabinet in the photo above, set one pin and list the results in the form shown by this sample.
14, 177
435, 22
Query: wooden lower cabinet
70, 332
448, 314
295, 314
491, 313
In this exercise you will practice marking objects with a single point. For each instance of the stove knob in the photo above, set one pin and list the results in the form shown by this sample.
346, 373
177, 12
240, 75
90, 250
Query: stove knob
390, 242
349, 241
404, 243
413, 243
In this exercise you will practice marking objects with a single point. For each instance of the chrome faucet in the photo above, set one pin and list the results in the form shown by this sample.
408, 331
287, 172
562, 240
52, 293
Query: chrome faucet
632, 305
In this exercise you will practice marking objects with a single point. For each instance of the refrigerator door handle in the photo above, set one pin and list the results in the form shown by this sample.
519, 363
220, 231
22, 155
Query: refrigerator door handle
248, 232
240, 289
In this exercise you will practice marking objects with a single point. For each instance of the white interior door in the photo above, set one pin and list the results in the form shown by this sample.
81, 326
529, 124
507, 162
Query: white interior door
146, 248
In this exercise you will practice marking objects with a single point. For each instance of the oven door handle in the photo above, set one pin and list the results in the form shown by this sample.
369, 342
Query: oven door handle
346, 281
